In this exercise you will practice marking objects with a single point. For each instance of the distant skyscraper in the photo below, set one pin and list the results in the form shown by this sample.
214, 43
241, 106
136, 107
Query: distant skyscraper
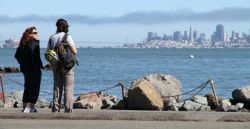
150, 36
195, 35
185, 35
190, 38
237, 35
220, 33
232, 36
177, 36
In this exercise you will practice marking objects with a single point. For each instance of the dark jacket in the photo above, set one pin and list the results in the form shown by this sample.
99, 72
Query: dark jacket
28, 57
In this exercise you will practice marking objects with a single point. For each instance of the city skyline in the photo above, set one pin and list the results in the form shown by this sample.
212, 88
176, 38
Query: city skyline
219, 33
121, 21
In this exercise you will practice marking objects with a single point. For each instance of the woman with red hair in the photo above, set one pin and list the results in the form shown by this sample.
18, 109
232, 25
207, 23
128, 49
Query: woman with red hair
28, 56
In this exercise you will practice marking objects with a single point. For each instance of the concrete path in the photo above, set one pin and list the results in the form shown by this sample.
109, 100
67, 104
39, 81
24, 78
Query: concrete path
81, 114
117, 124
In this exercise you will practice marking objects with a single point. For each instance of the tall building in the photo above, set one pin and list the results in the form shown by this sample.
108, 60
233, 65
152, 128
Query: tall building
190, 38
185, 35
220, 33
237, 35
153, 36
177, 36
232, 36
150, 36
202, 38
195, 35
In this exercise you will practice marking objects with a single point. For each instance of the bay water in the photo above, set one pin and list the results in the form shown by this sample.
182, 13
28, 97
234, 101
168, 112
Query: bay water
105, 67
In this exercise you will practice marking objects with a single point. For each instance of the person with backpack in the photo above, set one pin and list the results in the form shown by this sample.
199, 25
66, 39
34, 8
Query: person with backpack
28, 56
63, 70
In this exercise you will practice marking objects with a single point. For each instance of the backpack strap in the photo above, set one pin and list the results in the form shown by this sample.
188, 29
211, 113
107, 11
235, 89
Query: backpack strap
65, 37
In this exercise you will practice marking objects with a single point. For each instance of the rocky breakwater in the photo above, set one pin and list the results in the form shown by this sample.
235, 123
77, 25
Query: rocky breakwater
9, 69
151, 92
163, 92
14, 100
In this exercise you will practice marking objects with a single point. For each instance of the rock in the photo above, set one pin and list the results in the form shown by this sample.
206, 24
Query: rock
239, 105
14, 100
119, 105
88, 101
225, 105
166, 85
144, 96
11, 70
242, 95
211, 101
200, 99
1, 104
108, 101
170, 104
42, 103
189, 105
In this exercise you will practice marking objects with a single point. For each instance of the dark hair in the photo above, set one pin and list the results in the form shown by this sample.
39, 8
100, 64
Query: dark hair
62, 26
25, 37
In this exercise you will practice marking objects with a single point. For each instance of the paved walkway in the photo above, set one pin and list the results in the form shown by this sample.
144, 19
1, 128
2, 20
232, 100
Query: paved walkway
81, 114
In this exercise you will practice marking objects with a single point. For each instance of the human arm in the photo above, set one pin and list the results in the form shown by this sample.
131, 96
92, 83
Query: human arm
72, 46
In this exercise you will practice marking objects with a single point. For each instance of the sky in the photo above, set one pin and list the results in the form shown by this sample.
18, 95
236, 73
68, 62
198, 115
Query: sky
98, 22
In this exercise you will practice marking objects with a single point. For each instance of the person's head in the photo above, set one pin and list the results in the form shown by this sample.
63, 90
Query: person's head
62, 26
29, 34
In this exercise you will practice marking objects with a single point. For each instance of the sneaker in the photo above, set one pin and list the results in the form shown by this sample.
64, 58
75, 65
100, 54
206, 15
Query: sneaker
68, 111
26, 110
33, 110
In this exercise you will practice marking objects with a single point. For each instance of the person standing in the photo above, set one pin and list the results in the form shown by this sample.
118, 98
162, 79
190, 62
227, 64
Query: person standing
63, 81
28, 56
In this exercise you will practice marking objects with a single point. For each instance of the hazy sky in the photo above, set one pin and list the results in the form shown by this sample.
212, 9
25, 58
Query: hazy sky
121, 21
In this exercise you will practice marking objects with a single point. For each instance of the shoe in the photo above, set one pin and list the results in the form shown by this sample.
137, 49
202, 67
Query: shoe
68, 111
26, 110
33, 110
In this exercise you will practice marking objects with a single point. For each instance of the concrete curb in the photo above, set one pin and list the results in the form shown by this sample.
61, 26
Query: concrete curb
81, 114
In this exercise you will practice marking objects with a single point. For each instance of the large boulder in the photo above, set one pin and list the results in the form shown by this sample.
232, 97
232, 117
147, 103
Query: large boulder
144, 96
166, 85
242, 95
88, 101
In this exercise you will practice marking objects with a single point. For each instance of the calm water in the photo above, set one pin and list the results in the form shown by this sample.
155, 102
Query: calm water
104, 67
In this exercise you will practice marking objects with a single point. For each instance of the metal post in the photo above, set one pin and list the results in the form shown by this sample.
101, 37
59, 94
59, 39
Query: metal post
214, 92
123, 93
1, 82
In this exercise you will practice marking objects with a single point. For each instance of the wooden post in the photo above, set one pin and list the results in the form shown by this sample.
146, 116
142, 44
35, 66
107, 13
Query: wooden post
1, 82
214, 92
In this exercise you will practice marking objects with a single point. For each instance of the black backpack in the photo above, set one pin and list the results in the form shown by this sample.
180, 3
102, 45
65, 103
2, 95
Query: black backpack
67, 59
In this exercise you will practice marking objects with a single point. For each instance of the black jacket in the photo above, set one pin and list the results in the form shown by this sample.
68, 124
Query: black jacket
28, 57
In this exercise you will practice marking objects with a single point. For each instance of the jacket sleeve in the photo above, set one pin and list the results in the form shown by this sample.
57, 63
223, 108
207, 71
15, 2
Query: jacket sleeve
18, 55
35, 53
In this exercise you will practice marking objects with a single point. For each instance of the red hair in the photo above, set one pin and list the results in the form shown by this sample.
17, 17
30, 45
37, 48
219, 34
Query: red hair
25, 37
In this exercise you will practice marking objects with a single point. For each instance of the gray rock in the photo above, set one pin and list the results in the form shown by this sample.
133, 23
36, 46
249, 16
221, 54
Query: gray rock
200, 99
193, 106
166, 85
14, 100
242, 95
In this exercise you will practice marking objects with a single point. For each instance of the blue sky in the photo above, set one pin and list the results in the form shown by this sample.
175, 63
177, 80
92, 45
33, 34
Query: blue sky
121, 21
